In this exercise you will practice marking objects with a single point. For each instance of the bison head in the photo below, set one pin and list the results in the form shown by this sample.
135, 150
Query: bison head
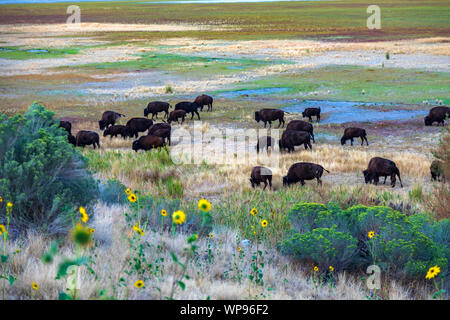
280, 144
136, 145
257, 116
101, 124
303, 114
428, 121
72, 140
343, 141
367, 176
145, 112
106, 132
285, 181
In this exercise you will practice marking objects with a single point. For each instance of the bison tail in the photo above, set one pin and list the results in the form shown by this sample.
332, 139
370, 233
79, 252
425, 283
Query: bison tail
326, 170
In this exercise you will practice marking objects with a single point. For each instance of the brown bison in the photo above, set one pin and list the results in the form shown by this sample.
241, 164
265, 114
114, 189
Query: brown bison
309, 112
162, 130
204, 100
109, 118
175, 115
155, 107
437, 114
136, 125
85, 138
265, 142
115, 130
148, 143
437, 170
350, 133
269, 115
189, 107
291, 138
380, 167
66, 125
261, 175
302, 171
300, 125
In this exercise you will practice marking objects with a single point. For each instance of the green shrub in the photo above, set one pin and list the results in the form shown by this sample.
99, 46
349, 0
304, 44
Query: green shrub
112, 192
43, 175
403, 246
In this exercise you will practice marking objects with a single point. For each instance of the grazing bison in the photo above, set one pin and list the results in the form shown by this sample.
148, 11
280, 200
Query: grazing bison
302, 171
109, 118
291, 138
66, 125
175, 115
204, 100
309, 112
115, 130
136, 125
350, 133
300, 125
265, 142
437, 114
269, 115
437, 170
162, 130
261, 174
148, 143
85, 138
189, 107
155, 107
380, 167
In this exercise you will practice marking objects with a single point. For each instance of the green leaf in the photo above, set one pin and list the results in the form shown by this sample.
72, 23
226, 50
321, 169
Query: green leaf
11, 280
64, 296
182, 285
63, 266
4, 258
174, 257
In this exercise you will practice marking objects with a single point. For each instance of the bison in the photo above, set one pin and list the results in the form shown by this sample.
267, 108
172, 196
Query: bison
291, 138
269, 115
204, 100
309, 112
350, 133
302, 171
155, 107
189, 107
109, 118
300, 125
261, 175
115, 130
437, 114
265, 142
66, 125
162, 130
175, 115
136, 125
148, 143
85, 138
380, 167
437, 170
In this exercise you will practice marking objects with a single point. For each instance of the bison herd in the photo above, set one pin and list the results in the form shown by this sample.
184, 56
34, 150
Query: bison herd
297, 133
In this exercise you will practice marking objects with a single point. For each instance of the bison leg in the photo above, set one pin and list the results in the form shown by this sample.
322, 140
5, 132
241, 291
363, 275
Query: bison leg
385, 177
351, 141
302, 182
393, 180
319, 182
197, 115
265, 184
318, 118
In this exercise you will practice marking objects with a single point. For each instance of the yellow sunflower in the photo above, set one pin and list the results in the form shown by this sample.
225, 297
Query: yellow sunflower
2, 229
264, 223
371, 234
331, 268
254, 212
132, 198
432, 272
139, 284
204, 205
91, 230
163, 212
239, 249
1, 199
179, 217
138, 230
316, 268
81, 235
35, 286
210, 235
128, 191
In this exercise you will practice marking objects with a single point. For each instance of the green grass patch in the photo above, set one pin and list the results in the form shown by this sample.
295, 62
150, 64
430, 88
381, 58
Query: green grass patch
17, 53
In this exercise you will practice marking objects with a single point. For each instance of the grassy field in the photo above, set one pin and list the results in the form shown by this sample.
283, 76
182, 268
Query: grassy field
248, 56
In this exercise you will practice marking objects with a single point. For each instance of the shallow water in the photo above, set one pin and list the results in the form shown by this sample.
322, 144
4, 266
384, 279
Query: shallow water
250, 92
347, 111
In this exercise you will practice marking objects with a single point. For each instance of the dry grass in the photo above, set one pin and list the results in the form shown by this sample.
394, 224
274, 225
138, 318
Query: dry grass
288, 279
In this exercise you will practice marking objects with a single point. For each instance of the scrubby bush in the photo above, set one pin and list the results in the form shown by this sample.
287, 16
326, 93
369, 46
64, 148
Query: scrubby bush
43, 175
111, 192
403, 246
